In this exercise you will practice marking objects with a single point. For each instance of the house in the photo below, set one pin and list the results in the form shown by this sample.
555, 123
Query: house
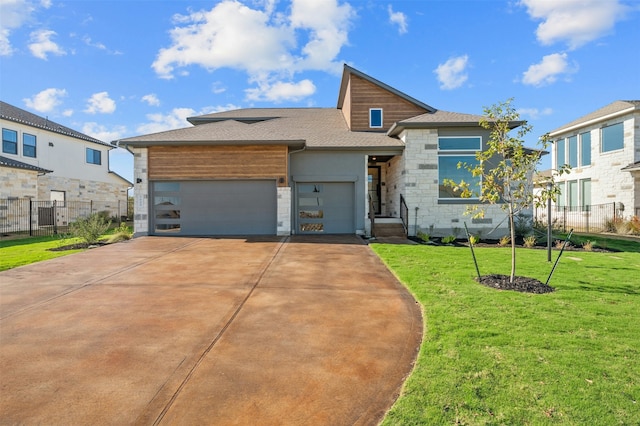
271, 171
44, 161
603, 150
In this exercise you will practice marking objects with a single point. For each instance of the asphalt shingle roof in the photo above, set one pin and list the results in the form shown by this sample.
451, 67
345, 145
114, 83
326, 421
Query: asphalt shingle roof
9, 162
12, 113
317, 127
612, 108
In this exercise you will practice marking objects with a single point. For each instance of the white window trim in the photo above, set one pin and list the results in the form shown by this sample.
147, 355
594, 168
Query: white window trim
371, 126
602, 151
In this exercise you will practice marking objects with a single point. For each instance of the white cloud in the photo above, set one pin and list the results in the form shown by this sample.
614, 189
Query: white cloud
217, 87
534, 113
67, 112
281, 91
399, 19
452, 74
151, 99
576, 22
100, 103
547, 71
87, 40
177, 118
265, 44
41, 44
103, 133
46, 100
13, 14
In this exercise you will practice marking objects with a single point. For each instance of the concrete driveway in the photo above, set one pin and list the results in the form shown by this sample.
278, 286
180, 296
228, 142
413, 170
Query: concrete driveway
300, 330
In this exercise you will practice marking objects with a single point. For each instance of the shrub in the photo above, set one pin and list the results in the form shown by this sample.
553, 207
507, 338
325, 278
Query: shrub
588, 245
616, 225
530, 241
634, 225
89, 229
448, 239
474, 239
121, 233
424, 236
504, 241
523, 224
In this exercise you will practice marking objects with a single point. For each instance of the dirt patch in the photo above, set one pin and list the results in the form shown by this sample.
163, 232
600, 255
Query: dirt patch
521, 284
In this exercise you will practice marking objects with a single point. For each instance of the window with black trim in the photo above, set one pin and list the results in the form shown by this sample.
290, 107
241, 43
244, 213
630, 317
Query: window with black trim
451, 152
9, 141
375, 118
94, 156
28, 145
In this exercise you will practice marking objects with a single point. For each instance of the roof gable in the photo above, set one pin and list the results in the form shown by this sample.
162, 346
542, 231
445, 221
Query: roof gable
604, 113
18, 115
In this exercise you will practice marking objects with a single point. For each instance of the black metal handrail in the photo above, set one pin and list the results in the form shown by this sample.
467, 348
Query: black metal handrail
372, 216
404, 214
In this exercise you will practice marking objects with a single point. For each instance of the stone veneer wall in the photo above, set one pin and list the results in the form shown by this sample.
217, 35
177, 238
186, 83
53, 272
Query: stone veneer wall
394, 185
141, 192
284, 211
421, 190
18, 183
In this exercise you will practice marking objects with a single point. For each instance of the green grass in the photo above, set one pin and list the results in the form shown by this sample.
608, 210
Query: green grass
630, 244
492, 357
24, 251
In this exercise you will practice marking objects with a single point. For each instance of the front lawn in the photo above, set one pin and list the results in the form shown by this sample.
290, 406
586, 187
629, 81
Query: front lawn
502, 357
24, 251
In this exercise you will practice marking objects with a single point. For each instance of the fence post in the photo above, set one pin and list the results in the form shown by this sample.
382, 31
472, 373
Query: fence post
564, 219
55, 219
30, 217
588, 214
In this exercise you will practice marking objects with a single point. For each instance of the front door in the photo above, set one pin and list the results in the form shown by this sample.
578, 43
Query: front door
374, 187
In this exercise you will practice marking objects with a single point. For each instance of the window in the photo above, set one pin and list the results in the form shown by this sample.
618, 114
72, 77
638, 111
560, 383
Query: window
58, 197
585, 149
560, 153
573, 194
93, 156
375, 118
454, 150
612, 137
572, 144
9, 141
585, 194
28, 145
561, 195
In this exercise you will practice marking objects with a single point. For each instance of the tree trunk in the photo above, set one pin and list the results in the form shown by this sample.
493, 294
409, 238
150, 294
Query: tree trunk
513, 244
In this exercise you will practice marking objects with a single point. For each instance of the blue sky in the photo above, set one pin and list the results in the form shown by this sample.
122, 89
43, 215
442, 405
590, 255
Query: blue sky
120, 68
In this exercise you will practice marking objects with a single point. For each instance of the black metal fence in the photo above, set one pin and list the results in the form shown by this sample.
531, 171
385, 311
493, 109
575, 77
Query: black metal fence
41, 218
593, 218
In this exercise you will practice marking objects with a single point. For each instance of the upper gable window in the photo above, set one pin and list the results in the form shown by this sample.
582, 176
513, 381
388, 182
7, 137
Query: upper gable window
612, 138
9, 141
94, 156
375, 118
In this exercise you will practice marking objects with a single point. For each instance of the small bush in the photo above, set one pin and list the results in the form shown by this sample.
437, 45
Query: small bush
474, 239
616, 225
424, 236
504, 241
634, 225
523, 224
448, 239
121, 233
588, 245
89, 229
530, 241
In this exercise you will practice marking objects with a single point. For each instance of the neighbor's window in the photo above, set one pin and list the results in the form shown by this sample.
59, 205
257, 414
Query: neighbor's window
585, 194
585, 149
612, 137
451, 152
375, 118
573, 151
28, 145
9, 141
560, 153
93, 156
573, 194
562, 194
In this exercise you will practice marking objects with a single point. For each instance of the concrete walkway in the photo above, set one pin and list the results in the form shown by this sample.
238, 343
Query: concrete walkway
312, 331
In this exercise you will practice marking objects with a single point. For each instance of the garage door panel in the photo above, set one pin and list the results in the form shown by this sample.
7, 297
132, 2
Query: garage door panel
327, 207
237, 207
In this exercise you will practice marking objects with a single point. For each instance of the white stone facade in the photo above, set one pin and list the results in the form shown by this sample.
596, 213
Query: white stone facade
18, 183
609, 183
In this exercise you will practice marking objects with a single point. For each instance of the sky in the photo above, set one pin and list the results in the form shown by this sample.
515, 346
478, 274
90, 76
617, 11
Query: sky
122, 68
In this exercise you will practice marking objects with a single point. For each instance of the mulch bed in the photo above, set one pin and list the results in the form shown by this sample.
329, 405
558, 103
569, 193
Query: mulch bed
522, 284
77, 246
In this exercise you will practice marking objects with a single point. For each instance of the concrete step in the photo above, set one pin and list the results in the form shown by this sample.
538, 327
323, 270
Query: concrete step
389, 230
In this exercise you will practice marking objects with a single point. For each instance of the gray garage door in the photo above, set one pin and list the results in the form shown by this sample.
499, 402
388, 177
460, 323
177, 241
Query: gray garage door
236, 207
326, 208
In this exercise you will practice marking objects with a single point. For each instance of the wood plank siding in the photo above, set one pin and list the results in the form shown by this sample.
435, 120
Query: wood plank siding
365, 95
218, 162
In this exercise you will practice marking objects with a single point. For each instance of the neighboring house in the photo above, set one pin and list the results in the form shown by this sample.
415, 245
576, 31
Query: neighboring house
311, 170
45, 161
603, 150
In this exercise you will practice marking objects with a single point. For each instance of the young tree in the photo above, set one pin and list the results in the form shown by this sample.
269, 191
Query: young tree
505, 169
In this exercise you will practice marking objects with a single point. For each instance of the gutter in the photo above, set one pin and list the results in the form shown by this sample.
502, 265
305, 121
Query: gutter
592, 121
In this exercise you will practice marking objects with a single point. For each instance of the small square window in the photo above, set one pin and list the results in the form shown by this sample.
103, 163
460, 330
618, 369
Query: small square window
28, 145
9, 141
94, 156
375, 118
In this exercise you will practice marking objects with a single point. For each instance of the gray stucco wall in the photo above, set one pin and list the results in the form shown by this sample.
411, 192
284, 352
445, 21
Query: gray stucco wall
333, 166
